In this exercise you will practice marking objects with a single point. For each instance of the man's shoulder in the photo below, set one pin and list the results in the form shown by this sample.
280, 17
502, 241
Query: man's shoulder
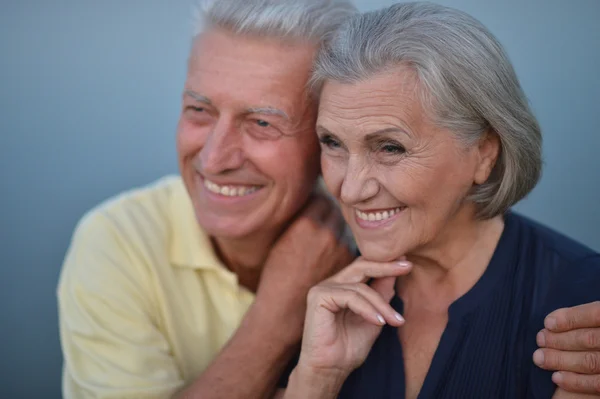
133, 227
144, 210
149, 200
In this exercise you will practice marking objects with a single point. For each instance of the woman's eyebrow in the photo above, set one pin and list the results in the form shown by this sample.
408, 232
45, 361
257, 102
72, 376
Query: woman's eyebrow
323, 130
377, 135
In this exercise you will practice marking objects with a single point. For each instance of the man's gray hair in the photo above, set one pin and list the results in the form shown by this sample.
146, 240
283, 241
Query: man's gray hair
467, 84
306, 20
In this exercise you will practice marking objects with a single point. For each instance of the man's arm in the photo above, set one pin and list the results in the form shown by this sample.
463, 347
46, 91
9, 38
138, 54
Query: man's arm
251, 363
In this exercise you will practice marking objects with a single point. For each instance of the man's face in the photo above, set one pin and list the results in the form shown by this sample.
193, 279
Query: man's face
248, 153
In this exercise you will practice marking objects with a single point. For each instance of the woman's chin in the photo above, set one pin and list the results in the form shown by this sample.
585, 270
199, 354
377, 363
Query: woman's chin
378, 253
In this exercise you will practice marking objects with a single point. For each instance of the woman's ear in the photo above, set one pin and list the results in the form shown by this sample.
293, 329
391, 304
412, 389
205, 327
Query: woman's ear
489, 148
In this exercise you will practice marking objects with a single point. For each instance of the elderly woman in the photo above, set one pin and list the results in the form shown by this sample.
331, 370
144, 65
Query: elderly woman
427, 142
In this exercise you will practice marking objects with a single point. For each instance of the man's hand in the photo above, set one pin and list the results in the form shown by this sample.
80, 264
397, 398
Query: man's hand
309, 251
570, 345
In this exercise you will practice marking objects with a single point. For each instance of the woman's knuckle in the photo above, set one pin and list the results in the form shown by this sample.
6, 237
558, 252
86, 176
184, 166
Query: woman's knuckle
315, 292
355, 296
368, 271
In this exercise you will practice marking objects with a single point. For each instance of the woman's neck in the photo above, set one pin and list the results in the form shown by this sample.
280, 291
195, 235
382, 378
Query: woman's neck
246, 256
449, 267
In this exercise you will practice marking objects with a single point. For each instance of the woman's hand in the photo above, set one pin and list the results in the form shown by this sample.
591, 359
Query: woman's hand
345, 316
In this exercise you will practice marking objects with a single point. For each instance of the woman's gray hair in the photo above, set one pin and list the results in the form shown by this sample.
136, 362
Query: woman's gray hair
467, 83
307, 20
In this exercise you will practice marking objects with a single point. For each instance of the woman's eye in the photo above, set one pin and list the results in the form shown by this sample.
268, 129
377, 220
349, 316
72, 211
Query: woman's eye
392, 149
262, 123
329, 141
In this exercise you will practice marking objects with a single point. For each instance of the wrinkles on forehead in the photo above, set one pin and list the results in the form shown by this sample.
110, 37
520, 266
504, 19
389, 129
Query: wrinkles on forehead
389, 100
252, 74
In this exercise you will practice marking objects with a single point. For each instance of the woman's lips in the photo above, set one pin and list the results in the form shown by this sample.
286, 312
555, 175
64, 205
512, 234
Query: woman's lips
373, 219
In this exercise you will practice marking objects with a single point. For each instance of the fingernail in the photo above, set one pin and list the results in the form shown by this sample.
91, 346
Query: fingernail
541, 338
381, 319
403, 264
399, 317
538, 357
550, 323
557, 377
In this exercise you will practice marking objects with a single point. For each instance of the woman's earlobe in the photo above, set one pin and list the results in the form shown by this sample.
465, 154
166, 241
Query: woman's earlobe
489, 150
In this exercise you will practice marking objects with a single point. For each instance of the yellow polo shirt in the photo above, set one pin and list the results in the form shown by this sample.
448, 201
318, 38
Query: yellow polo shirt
145, 304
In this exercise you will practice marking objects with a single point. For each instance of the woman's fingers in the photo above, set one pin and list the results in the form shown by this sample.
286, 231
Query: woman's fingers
386, 287
358, 298
362, 270
382, 304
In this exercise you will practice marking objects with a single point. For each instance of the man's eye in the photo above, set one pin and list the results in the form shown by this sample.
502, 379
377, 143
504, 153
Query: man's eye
262, 123
329, 141
197, 109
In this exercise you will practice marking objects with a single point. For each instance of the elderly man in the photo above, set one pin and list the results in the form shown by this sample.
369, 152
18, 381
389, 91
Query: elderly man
196, 286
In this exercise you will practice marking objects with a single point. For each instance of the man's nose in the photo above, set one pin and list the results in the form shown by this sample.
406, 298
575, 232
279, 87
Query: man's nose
223, 149
358, 185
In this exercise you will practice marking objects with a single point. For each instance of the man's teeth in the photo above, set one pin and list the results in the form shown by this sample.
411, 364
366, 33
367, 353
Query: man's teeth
376, 216
229, 191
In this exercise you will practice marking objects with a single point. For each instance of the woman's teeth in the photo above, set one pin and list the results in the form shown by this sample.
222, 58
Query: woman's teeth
376, 216
229, 191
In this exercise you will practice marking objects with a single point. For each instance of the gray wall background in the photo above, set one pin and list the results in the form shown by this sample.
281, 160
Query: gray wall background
89, 98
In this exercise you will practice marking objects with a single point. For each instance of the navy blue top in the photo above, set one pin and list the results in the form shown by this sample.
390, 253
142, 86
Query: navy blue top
487, 347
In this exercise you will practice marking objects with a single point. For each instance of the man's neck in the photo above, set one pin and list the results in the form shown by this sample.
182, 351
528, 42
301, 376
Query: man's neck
450, 267
246, 256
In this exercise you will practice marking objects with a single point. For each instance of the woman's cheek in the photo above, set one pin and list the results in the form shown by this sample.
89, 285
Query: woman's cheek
333, 171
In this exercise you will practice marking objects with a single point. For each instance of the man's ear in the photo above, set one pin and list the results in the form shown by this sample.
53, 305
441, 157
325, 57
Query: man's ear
489, 149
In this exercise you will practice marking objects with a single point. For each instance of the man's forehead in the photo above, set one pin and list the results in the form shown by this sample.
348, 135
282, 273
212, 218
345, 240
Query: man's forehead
238, 57
250, 72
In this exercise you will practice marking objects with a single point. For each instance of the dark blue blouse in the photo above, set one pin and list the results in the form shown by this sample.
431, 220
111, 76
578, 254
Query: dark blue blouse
487, 347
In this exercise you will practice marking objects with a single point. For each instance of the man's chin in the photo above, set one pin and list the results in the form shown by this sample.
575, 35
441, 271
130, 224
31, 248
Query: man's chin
231, 232
231, 227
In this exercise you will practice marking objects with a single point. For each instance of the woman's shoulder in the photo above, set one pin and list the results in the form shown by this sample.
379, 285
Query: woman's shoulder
549, 241
565, 271
556, 272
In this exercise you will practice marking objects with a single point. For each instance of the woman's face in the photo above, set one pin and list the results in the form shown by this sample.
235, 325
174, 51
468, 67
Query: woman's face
401, 181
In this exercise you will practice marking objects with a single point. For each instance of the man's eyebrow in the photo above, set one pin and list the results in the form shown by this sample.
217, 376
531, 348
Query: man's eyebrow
268, 111
198, 97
